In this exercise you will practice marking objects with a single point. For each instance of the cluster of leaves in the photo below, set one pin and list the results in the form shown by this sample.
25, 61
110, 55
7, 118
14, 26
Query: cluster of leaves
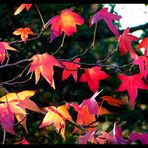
15, 105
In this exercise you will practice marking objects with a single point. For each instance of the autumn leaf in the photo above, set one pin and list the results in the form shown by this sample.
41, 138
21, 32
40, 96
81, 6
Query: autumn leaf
124, 41
112, 101
7, 118
92, 104
65, 22
92, 76
21, 8
70, 69
24, 141
7, 115
88, 137
131, 84
43, 64
82, 119
104, 138
117, 134
19, 102
3, 47
23, 32
103, 111
144, 44
107, 17
143, 137
142, 62
58, 117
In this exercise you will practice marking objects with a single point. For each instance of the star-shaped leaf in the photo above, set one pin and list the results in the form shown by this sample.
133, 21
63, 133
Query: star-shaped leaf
23, 32
107, 17
65, 22
131, 84
92, 76
70, 69
124, 41
58, 117
43, 64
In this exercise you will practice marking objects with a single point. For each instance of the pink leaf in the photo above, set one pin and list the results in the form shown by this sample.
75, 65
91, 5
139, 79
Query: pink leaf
107, 17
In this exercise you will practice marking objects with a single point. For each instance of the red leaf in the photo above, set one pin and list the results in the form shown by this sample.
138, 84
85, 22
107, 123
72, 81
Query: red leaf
112, 101
143, 137
124, 41
23, 32
43, 64
71, 69
142, 62
107, 17
132, 84
4, 46
65, 22
92, 76
24, 141
22, 7
144, 44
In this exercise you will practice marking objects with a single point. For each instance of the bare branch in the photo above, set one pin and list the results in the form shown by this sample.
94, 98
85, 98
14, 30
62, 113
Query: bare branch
40, 16
91, 45
4, 137
15, 64
60, 45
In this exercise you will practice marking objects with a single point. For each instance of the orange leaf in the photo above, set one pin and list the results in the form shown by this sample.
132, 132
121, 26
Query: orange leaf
22, 7
113, 101
43, 64
57, 116
84, 117
18, 102
103, 111
23, 32
65, 22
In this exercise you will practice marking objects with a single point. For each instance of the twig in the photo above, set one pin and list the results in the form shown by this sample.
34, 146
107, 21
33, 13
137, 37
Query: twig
16, 63
109, 55
4, 136
60, 45
91, 45
40, 16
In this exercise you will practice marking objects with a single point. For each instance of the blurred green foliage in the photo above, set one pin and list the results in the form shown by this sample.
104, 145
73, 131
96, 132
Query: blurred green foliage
68, 90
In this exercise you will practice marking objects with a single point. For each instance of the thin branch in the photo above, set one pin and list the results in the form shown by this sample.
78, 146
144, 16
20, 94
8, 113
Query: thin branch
95, 64
16, 63
4, 136
31, 39
91, 45
109, 55
14, 83
60, 45
40, 16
